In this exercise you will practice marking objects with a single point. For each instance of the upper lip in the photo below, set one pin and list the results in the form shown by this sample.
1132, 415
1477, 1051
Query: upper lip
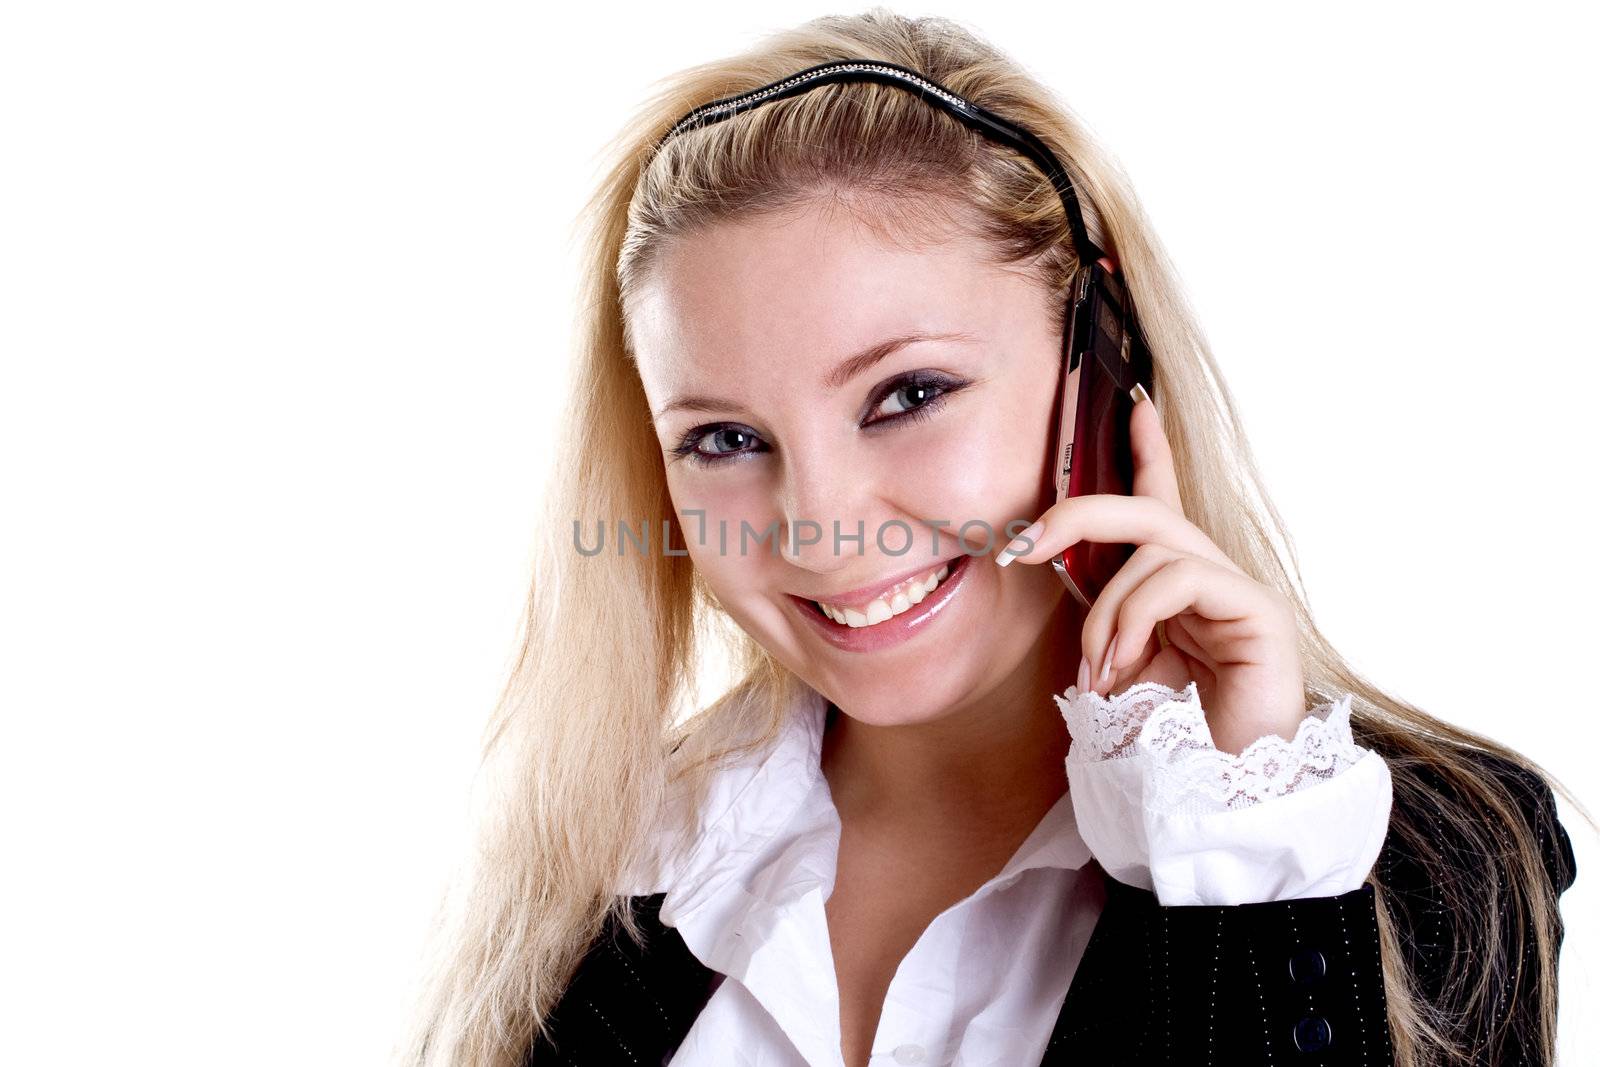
866, 594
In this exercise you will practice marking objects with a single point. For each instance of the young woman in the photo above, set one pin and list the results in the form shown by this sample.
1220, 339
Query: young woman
821, 345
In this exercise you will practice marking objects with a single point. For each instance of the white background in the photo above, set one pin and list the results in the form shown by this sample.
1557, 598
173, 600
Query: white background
285, 292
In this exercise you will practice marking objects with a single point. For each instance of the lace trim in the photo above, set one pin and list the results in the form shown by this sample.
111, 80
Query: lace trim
1188, 771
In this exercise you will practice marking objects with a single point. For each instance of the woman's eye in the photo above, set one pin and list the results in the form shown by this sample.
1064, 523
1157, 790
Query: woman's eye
912, 397
905, 397
714, 444
727, 439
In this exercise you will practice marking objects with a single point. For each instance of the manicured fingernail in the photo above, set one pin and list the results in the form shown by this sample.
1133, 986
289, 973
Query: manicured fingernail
1083, 674
1138, 393
1020, 544
1111, 654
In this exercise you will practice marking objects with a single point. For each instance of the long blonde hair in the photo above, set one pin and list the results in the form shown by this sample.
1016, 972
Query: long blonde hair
592, 737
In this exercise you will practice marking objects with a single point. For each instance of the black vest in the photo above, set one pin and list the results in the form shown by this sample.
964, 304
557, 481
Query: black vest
1277, 983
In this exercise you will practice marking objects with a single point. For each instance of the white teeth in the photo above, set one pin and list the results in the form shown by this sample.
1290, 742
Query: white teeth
886, 607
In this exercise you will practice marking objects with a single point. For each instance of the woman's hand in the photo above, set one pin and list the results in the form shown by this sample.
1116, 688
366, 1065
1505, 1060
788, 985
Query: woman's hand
1234, 637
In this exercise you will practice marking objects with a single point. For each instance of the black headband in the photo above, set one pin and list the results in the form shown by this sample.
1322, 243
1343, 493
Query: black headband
985, 122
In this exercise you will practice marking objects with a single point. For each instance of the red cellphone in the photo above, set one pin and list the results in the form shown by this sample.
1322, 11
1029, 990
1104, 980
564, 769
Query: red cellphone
1103, 356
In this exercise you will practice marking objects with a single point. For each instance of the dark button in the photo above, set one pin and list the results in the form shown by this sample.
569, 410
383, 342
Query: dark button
1307, 965
1312, 1034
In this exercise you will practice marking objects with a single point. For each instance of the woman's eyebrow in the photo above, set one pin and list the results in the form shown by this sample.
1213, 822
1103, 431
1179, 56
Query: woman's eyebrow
870, 356
842, 372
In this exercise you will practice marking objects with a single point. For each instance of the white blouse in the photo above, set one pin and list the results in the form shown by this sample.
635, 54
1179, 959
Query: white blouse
1150, 800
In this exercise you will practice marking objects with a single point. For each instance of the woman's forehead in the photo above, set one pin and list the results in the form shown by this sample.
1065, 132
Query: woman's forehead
806, 291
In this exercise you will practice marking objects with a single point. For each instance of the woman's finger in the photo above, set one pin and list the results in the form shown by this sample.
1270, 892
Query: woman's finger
1111, 518
1183, 584
1099, 624
1153, 471
1196, 656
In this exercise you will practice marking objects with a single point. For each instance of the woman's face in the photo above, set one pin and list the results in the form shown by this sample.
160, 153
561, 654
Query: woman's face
777, 430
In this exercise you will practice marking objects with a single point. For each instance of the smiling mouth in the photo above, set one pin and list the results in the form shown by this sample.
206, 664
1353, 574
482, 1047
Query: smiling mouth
897, 600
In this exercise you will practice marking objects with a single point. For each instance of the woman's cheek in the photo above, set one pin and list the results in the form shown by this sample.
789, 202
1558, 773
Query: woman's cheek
710, 520
968, 469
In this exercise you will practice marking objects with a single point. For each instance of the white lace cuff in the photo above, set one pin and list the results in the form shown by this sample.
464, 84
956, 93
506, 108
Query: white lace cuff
1162, 808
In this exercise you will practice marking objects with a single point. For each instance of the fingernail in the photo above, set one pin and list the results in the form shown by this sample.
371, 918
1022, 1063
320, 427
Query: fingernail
1111, 654
1138, 393
1083, 674
1020, 544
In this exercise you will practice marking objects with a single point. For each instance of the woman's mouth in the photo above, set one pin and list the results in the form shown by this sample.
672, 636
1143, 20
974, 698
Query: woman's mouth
893, 601
891, 615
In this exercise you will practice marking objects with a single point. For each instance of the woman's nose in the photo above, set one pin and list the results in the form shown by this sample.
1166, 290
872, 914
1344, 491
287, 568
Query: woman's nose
825, 520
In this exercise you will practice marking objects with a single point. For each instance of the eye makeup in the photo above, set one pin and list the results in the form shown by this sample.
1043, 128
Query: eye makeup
933, 386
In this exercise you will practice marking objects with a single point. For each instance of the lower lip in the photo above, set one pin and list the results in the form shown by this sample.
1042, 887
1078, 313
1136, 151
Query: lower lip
894, 630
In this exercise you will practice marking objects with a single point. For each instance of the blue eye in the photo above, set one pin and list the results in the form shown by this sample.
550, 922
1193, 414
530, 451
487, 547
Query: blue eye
730, 438
725, 441
920, 394
914, 395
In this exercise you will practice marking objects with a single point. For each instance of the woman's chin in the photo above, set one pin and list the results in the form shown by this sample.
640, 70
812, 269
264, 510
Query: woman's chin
918, 700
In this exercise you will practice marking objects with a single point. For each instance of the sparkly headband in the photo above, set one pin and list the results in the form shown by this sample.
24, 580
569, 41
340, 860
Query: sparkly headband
854, 70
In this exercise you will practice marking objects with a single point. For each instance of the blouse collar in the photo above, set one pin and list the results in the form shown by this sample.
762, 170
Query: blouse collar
769, 838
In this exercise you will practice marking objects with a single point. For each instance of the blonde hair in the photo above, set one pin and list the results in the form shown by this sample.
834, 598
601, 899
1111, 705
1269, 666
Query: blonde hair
586, 749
